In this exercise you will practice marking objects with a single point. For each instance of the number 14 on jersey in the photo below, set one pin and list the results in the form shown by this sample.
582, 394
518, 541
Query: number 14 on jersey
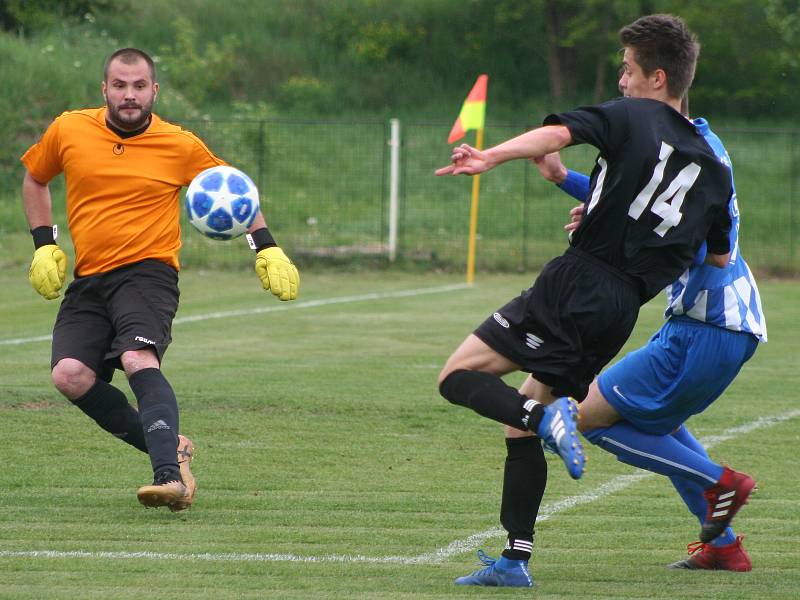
668, 203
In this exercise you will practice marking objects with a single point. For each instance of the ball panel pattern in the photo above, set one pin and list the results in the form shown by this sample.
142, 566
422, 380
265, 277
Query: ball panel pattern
222, 202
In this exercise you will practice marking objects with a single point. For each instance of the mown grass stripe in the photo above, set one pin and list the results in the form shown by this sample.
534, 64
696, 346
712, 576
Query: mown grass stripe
277, 308
454, 548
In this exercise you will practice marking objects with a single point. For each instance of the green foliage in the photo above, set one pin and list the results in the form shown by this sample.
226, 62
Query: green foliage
751, 77
417, 56
30, 16
784, 17
233, 70
200, 69
304, 94
57, 73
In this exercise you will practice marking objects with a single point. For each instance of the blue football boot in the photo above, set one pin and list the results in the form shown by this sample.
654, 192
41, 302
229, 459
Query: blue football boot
560, 435
499, 572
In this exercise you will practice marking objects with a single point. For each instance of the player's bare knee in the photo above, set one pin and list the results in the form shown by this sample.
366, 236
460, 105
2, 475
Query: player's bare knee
134, 361
72, 378
592, 415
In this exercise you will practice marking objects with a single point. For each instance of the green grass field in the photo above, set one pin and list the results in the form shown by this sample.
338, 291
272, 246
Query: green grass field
329, 467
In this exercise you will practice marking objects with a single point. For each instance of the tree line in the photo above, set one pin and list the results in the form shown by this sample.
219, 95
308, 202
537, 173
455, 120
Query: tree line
418, 56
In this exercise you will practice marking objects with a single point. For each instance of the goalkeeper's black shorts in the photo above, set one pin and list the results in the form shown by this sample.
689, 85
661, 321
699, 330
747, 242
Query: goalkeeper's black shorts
104, 315
568, 325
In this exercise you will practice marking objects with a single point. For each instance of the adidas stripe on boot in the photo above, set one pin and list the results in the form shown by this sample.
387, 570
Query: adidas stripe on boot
724, 501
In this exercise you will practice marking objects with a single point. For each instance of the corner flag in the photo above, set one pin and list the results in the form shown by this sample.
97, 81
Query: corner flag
472, 116
472, 112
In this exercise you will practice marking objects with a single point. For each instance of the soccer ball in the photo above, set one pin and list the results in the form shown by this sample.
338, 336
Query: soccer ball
222, 202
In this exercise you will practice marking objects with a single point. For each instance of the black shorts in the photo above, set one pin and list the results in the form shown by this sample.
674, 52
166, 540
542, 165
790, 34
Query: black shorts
104, 315
569, 325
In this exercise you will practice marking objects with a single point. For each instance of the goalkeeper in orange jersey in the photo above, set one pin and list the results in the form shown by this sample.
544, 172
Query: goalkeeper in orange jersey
124, 168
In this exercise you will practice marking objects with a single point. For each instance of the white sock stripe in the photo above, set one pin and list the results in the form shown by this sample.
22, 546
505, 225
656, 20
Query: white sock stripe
529, 404
720, 513
522, 545
723, 504
727, 495
658, 459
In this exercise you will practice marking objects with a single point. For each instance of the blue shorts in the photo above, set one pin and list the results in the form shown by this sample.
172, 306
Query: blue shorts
684, 367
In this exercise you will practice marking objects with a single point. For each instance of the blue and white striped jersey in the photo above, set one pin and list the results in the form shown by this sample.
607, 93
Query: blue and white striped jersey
725, 297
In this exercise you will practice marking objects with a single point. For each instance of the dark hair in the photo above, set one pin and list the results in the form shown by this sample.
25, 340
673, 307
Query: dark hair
130, 56
664, 42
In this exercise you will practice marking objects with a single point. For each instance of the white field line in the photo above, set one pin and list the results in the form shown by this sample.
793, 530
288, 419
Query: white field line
456, 547
277, 308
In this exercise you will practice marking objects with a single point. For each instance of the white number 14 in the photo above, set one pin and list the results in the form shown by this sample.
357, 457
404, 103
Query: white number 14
668, 203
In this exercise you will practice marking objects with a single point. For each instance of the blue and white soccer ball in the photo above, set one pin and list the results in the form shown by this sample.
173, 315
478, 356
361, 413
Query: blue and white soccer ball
222, 202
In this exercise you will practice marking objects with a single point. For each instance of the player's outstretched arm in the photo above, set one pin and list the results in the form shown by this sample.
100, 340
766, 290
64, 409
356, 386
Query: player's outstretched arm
48, 269
276, 272
466, 160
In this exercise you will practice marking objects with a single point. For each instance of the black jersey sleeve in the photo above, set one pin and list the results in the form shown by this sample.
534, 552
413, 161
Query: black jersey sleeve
718, 239
605, 126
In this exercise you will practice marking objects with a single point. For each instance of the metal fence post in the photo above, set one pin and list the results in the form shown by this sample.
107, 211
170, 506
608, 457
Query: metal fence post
394, 186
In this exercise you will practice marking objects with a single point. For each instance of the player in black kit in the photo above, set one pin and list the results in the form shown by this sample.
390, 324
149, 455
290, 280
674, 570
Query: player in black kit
657, 193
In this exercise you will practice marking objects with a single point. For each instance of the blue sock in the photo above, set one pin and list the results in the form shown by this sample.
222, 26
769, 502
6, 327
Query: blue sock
692, 493
662, 454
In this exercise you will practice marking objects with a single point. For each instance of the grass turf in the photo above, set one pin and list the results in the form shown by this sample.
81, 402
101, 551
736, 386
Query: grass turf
329, 467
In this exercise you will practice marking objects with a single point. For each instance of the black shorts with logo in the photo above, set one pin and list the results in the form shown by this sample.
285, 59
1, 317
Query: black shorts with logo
104, 315
568, 325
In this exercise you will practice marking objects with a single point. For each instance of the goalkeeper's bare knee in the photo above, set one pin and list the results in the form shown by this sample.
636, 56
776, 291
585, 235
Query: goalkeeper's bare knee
72, 378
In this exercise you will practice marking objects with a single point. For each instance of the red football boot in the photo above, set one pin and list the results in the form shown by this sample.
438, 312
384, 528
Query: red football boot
724, 501
732, 557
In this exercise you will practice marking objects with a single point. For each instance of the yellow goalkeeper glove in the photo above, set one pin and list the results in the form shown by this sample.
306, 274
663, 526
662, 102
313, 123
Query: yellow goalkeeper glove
277, 273
48, 270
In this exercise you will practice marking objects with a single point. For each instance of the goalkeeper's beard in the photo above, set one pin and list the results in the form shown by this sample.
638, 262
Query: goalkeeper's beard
133, 122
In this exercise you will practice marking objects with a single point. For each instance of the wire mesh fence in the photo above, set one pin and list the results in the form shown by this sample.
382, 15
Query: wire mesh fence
325, 194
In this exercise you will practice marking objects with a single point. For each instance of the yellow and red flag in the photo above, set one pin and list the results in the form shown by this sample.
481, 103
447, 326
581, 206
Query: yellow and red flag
472, 112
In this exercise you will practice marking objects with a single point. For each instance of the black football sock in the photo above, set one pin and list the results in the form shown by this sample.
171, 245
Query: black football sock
524, 481
158, 411
489, 396
109, 408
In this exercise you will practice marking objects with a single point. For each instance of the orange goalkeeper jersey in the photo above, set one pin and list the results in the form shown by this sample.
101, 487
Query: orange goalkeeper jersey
122, 194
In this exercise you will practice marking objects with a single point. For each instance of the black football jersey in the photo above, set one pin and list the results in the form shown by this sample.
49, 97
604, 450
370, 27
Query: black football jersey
656, 193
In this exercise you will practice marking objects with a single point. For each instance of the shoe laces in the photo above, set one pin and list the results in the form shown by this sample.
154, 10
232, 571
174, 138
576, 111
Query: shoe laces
184, 455
165, 477
696, 547
486, 560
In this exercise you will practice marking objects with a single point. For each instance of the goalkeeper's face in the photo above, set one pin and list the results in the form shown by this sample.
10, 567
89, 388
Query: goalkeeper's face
129, 92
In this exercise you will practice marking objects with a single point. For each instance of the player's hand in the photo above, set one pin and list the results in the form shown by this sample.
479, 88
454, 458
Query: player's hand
466, 160
277, 273
550, 167
576, 214
48, 270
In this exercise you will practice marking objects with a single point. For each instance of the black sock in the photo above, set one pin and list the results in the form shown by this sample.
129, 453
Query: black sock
158, 411
489, 396
524, 481
109, 408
